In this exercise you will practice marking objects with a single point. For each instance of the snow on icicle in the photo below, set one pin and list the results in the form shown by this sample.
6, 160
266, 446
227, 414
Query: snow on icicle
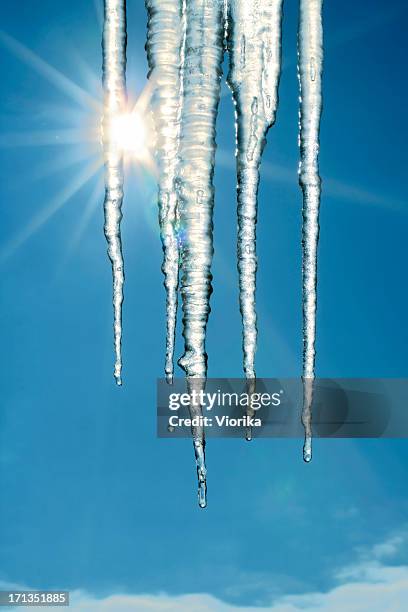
254, 44
202, 71
310, 78
165, 51
114, 86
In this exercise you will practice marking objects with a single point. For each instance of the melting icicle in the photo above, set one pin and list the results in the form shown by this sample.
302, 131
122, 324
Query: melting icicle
250, 412
114, 83
197, 385
201, 88
165, 50
254, 44
310, 75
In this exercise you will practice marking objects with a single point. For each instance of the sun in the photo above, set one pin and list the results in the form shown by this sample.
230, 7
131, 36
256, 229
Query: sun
132, 131
128, 131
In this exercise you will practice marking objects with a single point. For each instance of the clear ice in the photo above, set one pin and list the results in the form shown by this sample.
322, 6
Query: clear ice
310, 78
165, 52
114, 86
204, 49
185, 47
254, 45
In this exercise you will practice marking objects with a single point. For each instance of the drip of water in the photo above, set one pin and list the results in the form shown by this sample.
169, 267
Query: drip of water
114, 84
254, 44
165, 54
310, 78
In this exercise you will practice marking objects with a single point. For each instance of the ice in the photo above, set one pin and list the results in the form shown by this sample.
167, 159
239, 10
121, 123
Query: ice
165, 54
254, 44
114, 85
310, 79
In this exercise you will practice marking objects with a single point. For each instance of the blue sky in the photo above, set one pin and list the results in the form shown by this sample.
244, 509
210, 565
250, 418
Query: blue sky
91, 500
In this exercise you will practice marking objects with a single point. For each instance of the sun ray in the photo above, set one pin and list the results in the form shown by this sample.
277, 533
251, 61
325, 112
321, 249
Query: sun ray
63, 161
143, 101
46, 213
54, 76
90, 208
86, 73
40, 138
82, 132
62, 113
332, 187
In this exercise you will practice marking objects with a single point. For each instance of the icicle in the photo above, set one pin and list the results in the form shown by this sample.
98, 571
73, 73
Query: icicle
197, 385
254, 43
310, 75
201, 83
114, 83
165, 50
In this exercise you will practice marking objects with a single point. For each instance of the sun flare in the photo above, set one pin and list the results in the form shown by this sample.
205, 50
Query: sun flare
129, 132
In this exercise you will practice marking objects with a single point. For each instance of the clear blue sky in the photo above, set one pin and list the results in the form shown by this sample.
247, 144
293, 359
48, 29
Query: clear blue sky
90, 498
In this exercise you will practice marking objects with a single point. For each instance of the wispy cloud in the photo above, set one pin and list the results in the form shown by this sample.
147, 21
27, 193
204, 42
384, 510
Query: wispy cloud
368, 584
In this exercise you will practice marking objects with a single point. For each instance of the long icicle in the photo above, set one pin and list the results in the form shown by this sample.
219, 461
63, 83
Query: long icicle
201, 82
310, 78
254, 44
114, 84
165, 50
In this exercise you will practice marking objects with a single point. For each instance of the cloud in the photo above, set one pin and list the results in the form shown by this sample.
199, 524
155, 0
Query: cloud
390, 547
370, 584
159, 603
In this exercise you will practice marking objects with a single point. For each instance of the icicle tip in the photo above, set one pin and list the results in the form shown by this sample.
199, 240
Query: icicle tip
118, 375
202, 494
307, 449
